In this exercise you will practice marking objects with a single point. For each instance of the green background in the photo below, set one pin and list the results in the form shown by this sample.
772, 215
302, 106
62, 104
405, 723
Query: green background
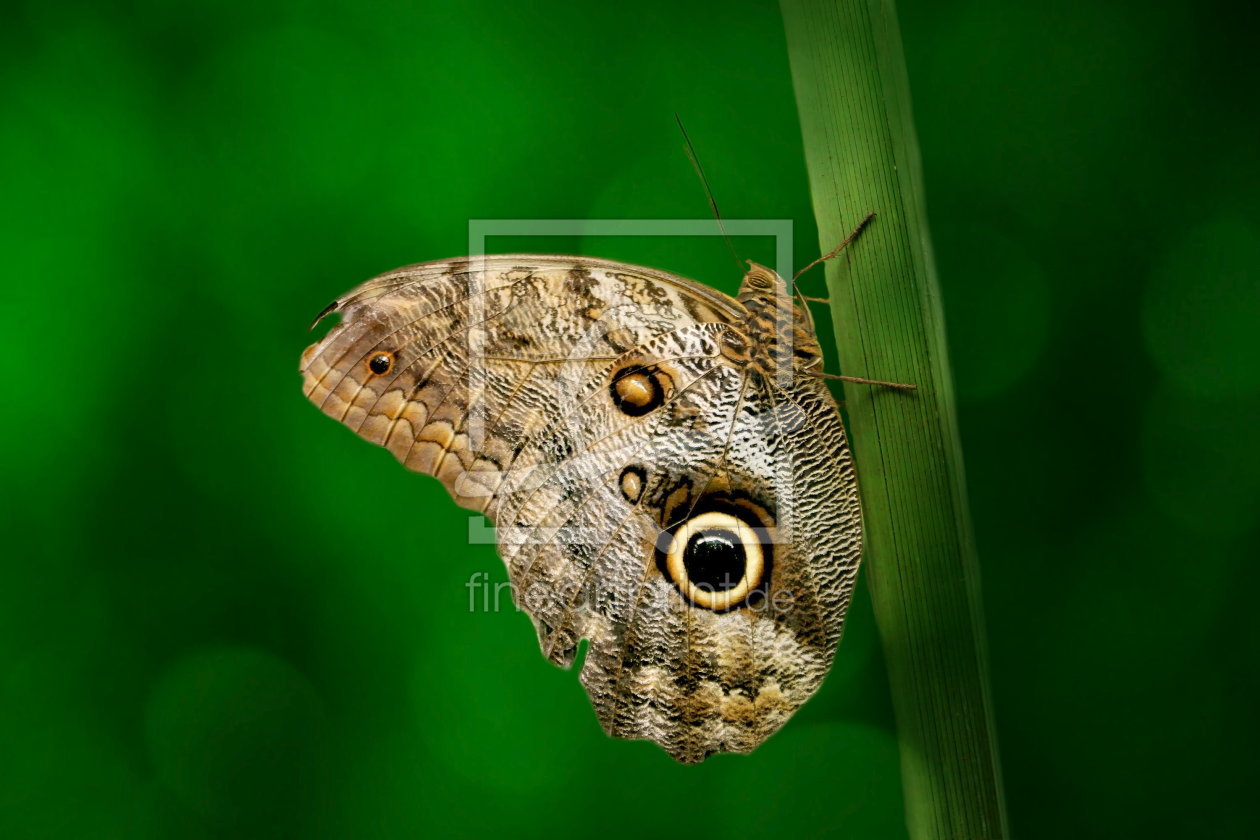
221, 614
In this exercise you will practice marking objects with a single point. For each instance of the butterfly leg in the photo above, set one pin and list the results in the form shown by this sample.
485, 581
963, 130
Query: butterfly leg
862, 381
835, 252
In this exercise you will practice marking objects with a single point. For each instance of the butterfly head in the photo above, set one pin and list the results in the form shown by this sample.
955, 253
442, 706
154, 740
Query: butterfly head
777, 318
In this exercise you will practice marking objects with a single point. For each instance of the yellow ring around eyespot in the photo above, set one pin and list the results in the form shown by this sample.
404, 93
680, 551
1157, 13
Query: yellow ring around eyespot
754, 559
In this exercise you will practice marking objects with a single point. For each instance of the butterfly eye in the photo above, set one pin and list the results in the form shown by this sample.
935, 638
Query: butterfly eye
716, 559
636, 390
381, 363
759, 278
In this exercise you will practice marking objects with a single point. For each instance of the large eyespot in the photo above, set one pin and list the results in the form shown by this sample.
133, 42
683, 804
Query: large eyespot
637, 389
719, 559
380, 363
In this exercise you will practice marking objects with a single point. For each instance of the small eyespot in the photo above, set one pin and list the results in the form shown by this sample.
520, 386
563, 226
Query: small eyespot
718, 559
636, 390
381, 363
631, 482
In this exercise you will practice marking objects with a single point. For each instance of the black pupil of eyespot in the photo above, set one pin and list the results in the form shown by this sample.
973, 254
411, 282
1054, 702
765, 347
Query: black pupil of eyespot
379, 364
715, 560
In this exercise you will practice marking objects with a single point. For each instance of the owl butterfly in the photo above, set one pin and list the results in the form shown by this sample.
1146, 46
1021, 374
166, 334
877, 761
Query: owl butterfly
666, 469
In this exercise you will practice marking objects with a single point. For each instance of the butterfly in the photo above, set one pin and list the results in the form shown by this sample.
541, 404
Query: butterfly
666, 469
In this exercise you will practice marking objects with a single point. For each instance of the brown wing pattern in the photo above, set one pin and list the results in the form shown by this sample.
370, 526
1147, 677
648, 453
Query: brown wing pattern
525, 322
639, 476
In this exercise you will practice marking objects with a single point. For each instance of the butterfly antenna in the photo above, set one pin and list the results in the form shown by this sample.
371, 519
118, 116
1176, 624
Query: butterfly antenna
695, 161
835, 252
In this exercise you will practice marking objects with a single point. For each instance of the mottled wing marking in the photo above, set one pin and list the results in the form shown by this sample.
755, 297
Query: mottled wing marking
497, 382
518, 308
697, 682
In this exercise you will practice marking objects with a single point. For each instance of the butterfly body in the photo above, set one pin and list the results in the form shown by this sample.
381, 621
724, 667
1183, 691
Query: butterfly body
667, 478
